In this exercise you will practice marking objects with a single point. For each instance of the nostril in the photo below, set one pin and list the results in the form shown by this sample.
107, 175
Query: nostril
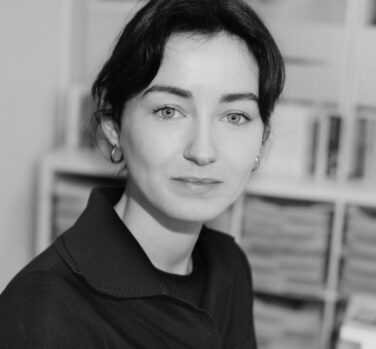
200, 158
200, 147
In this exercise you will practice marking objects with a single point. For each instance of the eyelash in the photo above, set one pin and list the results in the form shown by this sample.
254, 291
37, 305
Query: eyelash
246, 117
165, 107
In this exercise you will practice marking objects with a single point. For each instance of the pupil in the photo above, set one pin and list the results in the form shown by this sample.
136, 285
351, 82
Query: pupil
168, 112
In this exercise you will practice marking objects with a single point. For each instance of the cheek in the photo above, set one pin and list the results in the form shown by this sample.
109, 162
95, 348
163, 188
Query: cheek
146, 148
241, 153
241, 166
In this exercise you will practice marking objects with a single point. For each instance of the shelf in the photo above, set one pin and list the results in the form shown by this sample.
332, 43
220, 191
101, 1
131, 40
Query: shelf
301, 295
81, 162
295, 188
359, 193
304, 295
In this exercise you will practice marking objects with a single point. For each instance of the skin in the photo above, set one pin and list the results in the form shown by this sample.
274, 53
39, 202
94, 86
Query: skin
190, 140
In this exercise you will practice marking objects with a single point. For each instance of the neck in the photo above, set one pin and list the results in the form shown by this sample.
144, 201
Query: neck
169, 247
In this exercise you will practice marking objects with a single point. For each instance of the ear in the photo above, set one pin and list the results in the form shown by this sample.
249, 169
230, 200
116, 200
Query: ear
111, 130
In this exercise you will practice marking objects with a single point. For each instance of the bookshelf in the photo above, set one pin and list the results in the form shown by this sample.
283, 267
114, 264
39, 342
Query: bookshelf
330, 52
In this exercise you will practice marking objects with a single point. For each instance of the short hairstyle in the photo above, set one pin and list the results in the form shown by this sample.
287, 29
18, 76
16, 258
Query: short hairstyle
138, 53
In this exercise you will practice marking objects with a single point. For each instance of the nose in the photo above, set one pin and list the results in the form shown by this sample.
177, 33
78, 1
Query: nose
200, 148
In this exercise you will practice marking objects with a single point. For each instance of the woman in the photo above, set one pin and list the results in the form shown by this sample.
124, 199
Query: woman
185, 101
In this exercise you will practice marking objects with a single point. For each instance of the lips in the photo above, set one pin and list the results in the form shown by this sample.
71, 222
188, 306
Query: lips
198, 180
202, 186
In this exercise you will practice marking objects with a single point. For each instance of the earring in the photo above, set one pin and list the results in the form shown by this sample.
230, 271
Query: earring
257, 163
116, 155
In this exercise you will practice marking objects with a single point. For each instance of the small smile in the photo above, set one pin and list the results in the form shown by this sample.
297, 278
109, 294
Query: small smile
197, 185
198, 180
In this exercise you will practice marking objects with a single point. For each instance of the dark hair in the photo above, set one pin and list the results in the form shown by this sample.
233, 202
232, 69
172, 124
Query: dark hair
138, 53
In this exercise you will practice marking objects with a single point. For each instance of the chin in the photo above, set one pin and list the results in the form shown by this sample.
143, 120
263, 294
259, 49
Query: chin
197, 213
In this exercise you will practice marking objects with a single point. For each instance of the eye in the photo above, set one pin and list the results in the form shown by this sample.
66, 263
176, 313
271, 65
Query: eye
236, 118
167, 113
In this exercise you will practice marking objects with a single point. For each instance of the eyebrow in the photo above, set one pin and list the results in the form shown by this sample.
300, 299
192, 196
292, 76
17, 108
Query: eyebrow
169, 89
226, 98
234, 97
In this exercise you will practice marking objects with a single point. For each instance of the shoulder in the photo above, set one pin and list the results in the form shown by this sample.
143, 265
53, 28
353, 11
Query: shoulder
228, 250
28, 307
33, 291
37, 307
222, 242
44, 283
45, 277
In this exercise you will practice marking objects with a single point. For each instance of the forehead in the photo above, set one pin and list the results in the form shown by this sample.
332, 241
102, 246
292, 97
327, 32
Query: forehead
218, 61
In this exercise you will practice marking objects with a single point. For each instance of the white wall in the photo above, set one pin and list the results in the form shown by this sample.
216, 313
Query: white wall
30, 61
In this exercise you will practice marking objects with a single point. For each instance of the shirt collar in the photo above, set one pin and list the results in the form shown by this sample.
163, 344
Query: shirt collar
101, 249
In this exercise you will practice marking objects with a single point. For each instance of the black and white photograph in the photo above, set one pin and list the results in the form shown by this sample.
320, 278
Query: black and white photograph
188, 174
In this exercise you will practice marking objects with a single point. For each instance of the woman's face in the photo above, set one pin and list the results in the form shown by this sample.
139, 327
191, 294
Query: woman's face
190, 139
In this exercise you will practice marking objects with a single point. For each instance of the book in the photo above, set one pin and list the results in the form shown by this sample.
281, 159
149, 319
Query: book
286, 242
285, 324
333, 145
359, 152
363, 165
370, 147
359, 266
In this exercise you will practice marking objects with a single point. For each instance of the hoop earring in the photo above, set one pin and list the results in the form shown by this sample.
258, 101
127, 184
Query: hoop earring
116, 155
257, 163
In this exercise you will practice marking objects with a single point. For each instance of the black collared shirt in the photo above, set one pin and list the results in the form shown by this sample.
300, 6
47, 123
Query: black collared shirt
96, 288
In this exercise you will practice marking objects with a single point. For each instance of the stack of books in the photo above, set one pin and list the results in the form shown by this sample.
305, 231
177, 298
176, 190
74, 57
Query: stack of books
284, 325
286, 243
359, 268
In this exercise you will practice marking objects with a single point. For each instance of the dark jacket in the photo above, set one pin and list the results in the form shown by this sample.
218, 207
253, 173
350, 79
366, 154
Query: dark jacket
96, 288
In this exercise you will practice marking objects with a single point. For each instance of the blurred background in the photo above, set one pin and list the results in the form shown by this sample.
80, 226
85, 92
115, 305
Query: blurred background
31, 69
307, 221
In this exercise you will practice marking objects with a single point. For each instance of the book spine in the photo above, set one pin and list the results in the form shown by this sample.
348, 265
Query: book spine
359, 157
314, 146
333, 145
370, 150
